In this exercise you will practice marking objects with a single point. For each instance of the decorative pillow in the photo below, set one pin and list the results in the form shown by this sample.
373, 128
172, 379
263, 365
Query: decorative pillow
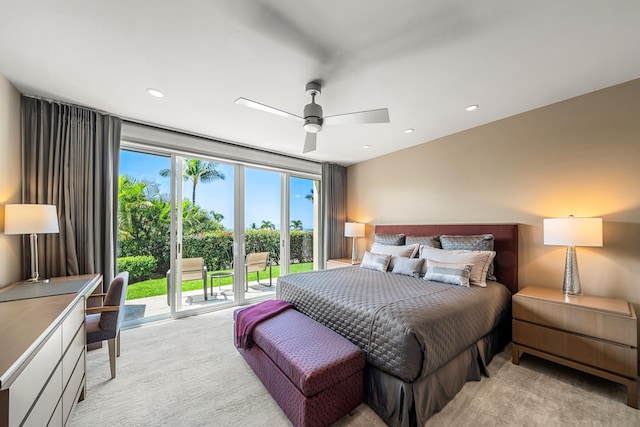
447, 272
408, 266
432, 241
379, 262
479, 259
409, 251
480, 242
389, 239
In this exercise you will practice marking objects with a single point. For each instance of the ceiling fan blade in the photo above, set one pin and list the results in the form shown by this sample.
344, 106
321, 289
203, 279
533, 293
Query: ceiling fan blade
309, 143
258, 106
370, 116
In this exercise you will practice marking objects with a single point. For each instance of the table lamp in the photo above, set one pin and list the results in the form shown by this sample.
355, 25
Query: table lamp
355, 230
572, 232
31, 219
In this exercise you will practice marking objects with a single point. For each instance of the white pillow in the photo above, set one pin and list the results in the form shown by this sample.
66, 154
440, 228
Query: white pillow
448, 272
379, 262
408, 266
408, 251
480, 260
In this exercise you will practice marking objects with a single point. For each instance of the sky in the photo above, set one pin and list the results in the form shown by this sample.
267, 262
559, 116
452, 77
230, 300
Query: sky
262, 190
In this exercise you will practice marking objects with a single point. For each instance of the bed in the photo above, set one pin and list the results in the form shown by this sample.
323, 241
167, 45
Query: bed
423, 339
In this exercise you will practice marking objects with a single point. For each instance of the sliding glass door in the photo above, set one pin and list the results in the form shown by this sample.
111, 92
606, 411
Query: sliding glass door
303, 224
144, 230
263, 223
194, 231
203, 239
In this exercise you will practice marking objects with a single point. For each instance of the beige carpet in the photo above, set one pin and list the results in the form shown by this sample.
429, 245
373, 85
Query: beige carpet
187, 373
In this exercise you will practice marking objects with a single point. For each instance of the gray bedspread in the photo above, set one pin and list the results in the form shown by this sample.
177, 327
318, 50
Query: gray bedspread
408, 327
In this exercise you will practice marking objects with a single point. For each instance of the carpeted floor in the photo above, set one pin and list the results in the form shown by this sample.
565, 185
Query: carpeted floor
187, 373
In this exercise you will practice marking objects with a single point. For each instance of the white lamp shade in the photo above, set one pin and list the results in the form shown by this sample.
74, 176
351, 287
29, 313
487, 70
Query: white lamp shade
30, 218
573, 231
353, 229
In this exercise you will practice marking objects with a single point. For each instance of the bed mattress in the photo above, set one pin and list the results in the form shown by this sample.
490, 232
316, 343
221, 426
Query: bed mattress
407, 326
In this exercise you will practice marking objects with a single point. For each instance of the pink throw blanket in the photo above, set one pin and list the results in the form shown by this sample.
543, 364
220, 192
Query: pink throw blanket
248, 319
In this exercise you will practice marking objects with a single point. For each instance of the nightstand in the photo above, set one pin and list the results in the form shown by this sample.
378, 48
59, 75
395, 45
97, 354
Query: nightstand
593, 334
341, 262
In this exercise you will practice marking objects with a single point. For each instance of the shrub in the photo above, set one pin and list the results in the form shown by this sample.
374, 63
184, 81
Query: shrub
301, 246
263, 241
215, 247
139, 267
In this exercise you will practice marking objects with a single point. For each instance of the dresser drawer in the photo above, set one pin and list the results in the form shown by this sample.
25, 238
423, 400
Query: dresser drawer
28, 385
71, 356
72, 322
576, 319
615, 358
72, 390
45, 406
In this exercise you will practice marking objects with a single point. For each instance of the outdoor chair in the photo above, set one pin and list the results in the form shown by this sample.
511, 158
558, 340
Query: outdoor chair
192, 269
103, 323
255, 263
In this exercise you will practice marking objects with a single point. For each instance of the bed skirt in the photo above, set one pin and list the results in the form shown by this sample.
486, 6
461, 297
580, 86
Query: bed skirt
404, 404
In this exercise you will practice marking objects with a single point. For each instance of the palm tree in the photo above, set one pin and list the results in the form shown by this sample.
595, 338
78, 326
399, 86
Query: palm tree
296, 224
217, 216
267, 225
253, 226
197, 171
310, 196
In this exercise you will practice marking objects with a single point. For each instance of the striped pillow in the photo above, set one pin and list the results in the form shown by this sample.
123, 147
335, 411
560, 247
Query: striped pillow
378, 262
480, 261
446, 272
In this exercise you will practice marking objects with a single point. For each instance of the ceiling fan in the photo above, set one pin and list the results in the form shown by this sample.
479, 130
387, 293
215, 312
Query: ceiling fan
312, 115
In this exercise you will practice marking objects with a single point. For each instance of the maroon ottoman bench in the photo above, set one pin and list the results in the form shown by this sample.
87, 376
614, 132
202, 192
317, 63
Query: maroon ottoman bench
312, 372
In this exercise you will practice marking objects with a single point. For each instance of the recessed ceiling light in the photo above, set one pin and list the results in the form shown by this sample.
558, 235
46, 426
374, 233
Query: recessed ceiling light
155, 92
366, 147
409, 130
472, 107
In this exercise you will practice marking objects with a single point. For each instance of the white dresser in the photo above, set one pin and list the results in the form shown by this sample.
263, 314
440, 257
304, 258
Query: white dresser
42, 362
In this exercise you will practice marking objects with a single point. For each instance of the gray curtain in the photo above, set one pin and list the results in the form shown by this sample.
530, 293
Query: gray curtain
334, 212
70, 159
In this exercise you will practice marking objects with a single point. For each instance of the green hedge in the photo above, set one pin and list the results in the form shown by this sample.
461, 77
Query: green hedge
217, 248
139, 267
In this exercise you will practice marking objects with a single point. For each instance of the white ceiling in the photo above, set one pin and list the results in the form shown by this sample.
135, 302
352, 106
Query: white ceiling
424, 60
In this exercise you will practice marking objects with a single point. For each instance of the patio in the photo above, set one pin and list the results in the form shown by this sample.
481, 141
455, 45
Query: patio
140, 309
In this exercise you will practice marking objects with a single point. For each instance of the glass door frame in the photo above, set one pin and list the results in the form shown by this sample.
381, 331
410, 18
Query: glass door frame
175, 279
285, 220
239, 278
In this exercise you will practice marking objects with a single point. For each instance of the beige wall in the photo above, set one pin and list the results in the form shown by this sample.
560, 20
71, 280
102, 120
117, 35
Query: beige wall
578, 157
10, 263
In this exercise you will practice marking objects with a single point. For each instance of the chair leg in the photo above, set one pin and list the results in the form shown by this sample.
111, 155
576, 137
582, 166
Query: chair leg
118, 344
112, 356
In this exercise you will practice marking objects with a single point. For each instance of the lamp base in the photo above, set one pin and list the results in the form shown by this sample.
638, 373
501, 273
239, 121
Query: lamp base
38, 280
571, 285
354, 254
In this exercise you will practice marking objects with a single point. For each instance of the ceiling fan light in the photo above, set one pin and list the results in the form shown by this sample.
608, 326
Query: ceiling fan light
312, 127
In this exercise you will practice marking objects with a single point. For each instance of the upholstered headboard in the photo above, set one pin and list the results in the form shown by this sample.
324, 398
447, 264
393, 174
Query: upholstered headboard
505, 243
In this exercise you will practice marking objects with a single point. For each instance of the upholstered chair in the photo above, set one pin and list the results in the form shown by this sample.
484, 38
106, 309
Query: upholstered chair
103, 323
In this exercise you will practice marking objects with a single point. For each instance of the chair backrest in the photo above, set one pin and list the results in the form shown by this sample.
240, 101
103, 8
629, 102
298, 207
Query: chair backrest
192, 268
257, 261
116, 296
